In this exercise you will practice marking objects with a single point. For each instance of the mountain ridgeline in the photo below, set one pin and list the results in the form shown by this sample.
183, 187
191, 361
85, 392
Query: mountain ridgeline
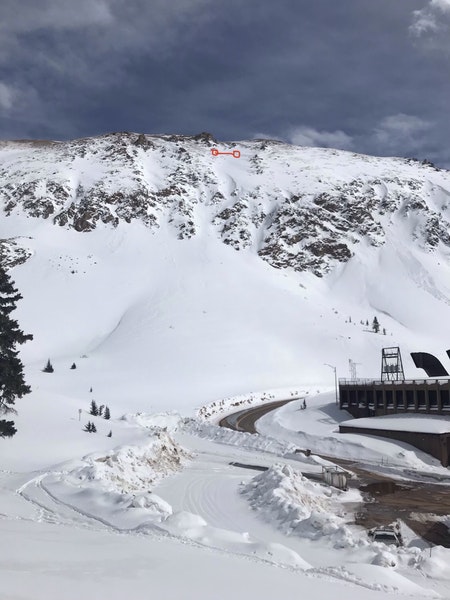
305, 209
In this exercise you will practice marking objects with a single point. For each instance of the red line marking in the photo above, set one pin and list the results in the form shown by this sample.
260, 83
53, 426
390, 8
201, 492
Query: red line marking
235, 153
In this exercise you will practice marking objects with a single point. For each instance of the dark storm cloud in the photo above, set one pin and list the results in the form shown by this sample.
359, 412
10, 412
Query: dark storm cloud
355, 74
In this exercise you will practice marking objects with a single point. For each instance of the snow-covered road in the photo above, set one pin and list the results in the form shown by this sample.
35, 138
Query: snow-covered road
210, 487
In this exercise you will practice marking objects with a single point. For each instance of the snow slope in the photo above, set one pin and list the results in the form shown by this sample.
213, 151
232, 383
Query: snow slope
155, 321
173, 281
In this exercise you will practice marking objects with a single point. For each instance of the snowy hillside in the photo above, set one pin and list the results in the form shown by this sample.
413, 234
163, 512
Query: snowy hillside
296, 207
118, 249
173, 279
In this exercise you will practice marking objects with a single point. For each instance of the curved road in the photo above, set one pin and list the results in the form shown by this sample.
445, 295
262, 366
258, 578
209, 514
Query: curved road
390, 499
245, 420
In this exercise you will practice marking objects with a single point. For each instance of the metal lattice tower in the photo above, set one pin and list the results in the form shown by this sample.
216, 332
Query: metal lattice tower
352, 368
391, 364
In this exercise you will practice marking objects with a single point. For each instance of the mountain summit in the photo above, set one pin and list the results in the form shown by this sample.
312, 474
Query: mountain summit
305, 209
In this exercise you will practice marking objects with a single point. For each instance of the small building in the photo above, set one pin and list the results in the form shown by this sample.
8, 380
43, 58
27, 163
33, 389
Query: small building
335, 476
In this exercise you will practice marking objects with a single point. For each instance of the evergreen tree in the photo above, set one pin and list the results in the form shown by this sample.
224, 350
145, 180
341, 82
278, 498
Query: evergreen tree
375, 325
367, 322
7, 428
110, 433
100, 410
48, 367
107, 414
94, 409
74, 366
90, 390
12, 383
93, 428
90, 427
384, 331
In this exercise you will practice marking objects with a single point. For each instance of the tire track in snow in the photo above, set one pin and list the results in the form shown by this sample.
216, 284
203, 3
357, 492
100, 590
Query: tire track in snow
52, 509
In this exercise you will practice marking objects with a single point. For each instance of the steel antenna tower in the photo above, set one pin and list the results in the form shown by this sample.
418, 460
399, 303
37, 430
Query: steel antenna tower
391, 364
352, 367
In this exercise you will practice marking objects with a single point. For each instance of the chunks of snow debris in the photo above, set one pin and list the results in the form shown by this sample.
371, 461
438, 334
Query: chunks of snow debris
298, 506
435, 565
134, 468
237, 438
115, 488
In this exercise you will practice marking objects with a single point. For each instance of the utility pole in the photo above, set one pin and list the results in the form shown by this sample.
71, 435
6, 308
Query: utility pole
335, 380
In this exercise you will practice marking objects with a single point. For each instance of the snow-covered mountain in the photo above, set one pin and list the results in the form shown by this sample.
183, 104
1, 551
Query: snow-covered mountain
188, 276
174, 278
301, 208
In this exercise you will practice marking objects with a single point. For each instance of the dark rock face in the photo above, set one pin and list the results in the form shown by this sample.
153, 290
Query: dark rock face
13, 253
286, 203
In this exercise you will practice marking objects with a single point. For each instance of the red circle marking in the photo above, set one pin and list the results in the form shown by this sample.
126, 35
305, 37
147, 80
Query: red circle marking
214, 151
236, 154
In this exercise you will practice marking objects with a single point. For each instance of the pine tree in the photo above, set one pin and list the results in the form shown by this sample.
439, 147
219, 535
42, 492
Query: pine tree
90, 427
90, 390
93, 410
107, 414
110, 433
375, 325
100, 410
384, 331
48, 367
7, 429
367, 322
74, 366
12, 383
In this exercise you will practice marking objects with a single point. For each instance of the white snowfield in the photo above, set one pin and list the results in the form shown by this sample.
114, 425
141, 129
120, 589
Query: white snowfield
171, 334
186, 498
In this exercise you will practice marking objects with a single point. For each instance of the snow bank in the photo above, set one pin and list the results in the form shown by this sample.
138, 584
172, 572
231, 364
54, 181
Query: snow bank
172, 422
134, 468
299, 506
229, 437
169, 421
377, 578
434, 564
222, 407
306, 509
115, 488
187, 525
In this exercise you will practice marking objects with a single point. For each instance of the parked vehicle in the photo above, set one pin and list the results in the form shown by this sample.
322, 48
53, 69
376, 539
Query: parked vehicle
387, 535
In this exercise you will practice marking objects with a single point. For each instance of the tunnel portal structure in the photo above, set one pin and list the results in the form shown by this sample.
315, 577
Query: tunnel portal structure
404, 398
370, 398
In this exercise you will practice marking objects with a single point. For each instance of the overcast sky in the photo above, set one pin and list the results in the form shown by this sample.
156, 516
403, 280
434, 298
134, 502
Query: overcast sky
365, 75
